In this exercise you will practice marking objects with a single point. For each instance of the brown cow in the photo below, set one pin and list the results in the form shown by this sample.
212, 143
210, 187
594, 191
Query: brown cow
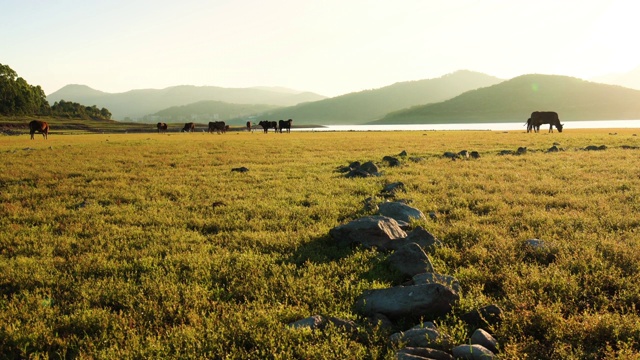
249, 126
162, 127
189, 127
39, 126
217, 126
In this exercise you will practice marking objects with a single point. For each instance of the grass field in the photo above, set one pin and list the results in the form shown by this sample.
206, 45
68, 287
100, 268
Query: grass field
110, 247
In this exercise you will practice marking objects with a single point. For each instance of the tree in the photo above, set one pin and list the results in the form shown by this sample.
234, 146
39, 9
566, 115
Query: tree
17, 97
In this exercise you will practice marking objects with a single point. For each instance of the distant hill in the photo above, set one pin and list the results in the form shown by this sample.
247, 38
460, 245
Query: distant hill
369, 105
630, 79
515, 99
209, 110
135, 104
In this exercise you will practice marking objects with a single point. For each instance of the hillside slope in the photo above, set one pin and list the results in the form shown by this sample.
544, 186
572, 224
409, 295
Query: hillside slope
515, 99
137, 103
369, 105
209, 110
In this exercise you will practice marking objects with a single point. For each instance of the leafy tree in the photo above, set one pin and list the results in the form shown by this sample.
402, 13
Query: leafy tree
17, 97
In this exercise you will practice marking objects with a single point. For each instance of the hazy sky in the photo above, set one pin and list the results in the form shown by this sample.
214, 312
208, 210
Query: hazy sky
330, 47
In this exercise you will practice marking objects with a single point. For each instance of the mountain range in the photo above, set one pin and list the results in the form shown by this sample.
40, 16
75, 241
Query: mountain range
135, 104
463, 96
515, 99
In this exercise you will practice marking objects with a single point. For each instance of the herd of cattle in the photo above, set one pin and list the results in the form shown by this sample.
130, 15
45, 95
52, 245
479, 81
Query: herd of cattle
220, 127
537, 119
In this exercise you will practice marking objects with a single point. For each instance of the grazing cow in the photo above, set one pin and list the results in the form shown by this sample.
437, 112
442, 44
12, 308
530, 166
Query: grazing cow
266, 125
285, 125
189, 127
39, 126
249, 126
218, 127
162, 127
544, 117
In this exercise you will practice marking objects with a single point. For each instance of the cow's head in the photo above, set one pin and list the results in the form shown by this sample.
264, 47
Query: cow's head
560, 126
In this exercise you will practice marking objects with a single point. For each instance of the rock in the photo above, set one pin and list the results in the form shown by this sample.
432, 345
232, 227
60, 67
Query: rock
240, 169
450, 155
424, 238
404, 356
553, 149
380, 320
391, 161
474, 155
505, 152
370, 167
423, 353
358, 173
422, 337
481, 337
483, 317
427, 301
393, 188
400, 211
432, 278
521, 150
410, 260
369, 231
403, 153
472, 352
365, 170
320, 322
595, 148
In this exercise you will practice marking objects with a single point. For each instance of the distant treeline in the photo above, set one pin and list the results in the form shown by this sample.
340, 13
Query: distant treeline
74, 110
18, 97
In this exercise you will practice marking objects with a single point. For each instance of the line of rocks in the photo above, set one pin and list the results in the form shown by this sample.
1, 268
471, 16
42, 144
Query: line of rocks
428, 295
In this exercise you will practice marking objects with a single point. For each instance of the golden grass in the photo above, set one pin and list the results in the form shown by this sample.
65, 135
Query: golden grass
110, 246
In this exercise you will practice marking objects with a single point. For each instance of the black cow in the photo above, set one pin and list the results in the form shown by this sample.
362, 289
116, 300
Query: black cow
162, 127
189, 127
285, 125
266, 125
544, 117
249, 126
218, 127
39, 126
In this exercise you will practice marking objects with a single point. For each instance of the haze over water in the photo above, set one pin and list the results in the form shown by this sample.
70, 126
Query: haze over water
503, 126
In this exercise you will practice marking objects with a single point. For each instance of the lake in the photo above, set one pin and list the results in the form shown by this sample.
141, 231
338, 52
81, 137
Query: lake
504, 126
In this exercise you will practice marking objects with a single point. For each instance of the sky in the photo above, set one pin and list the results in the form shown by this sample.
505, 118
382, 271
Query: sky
330, 47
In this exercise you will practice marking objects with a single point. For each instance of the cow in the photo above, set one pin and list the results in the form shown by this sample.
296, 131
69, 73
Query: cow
266, 125
285, 125
217, 126
189, 127
162, 127
249, 126
39, 126
530, 126
544, 117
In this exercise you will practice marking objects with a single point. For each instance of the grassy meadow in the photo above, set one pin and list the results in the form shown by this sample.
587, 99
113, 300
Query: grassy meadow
111, 248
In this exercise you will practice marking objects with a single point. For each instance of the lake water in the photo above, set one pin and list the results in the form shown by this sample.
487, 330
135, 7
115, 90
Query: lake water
505, 126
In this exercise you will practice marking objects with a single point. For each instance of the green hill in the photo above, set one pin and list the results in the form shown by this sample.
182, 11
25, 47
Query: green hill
210, 110
369, 105
515, 99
